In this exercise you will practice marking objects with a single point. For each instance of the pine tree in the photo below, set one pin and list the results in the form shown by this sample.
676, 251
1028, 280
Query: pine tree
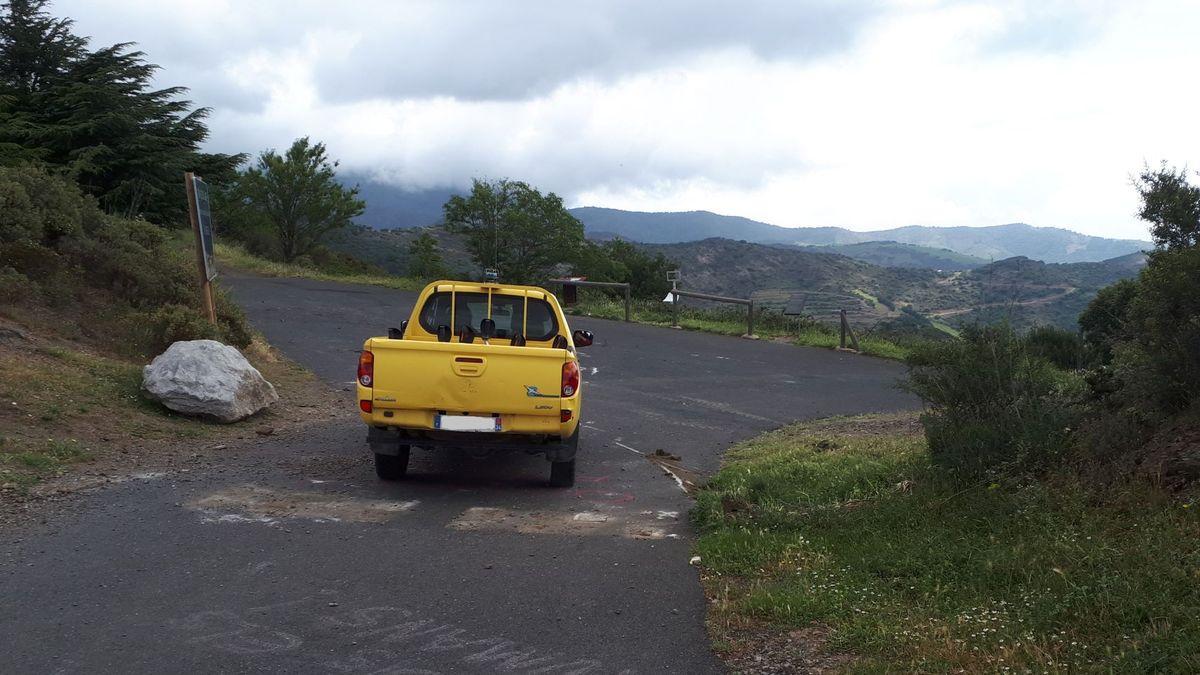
94, 116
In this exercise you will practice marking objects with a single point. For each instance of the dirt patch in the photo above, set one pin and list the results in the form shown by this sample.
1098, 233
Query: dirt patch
901, 424
254, 503
771, 652
643, 525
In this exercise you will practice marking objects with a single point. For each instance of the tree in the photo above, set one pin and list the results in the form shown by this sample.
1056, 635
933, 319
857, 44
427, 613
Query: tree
95, 116
620, 260
1171, 205
513, 228
424, 259
298, 193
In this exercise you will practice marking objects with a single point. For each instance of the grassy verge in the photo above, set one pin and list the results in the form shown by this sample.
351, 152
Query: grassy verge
61, 406
235, 256
732, 321
844, 526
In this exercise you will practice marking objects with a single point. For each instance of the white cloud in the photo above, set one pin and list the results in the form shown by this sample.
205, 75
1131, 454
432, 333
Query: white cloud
925, 112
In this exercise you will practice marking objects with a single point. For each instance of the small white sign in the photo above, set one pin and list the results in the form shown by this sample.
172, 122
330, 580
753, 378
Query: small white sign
670, 297
466, 423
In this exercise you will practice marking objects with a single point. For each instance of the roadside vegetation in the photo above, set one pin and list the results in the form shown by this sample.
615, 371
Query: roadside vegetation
96, 274
323, 266
67, 404
852, 528
1039, 515
732, 321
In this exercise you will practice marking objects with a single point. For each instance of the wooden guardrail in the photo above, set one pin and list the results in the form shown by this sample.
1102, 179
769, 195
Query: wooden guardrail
677, 293
595, 284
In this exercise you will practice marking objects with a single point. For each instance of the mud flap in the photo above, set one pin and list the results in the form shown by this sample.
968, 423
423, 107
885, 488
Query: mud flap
383, 441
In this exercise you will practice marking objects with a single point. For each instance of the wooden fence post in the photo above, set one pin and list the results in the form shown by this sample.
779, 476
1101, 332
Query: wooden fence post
750, 320
626, 303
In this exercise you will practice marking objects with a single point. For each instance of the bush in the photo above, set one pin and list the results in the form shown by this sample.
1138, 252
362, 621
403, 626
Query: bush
1061, 347
994, 406
1160, 355
171, 323
119, 279
1102, 323
14, 286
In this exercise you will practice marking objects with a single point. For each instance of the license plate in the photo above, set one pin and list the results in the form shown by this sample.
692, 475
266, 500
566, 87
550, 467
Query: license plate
466, 423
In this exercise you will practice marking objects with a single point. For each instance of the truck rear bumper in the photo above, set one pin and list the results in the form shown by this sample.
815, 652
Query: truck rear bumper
387, 441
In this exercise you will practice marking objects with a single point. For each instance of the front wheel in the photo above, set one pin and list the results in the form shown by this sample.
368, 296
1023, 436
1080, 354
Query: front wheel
562, 474
392, 467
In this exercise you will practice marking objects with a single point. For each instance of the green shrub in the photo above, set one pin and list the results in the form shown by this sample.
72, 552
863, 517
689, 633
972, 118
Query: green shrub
14, 286
128, 285
993, 406
1161, 354
1063, 348
1102, 323
171, 323
232, 321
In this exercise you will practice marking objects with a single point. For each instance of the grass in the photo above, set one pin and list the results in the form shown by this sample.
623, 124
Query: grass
732, 321
910, 571
61, 406
235, 256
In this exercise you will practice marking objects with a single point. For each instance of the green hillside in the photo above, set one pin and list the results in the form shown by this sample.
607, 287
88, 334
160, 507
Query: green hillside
896, 254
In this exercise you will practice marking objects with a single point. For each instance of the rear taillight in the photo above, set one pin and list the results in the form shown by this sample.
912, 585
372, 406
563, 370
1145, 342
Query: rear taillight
570, 379
366, 368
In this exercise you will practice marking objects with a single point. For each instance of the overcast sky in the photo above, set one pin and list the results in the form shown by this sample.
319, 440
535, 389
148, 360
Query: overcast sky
863, 115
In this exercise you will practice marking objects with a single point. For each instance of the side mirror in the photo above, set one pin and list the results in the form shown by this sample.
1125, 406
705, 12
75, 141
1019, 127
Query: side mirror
443, 333
487, 329
582, 338
398, 333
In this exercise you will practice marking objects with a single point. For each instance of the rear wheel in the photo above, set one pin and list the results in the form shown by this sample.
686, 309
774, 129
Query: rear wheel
392, 467
562, 474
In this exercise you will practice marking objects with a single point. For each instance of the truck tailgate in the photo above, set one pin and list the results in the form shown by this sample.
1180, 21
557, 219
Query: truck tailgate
472, 378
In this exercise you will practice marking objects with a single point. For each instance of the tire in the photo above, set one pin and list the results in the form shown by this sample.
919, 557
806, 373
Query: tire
562, 474
392, 467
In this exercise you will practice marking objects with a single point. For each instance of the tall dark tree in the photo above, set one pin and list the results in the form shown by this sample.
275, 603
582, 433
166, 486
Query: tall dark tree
513, 228
95, 116
37, 52
299, 194
424, 258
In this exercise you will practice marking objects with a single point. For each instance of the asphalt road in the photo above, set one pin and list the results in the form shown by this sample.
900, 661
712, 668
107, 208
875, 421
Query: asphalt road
294, 558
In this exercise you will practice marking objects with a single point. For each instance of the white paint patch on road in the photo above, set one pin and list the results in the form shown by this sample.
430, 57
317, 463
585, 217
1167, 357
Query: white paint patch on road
726, 408
629, 448
595, 370
678, 480
675, 420
582, 523
258, 504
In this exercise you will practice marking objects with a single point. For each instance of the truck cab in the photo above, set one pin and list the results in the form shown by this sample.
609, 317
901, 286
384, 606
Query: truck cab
483, 367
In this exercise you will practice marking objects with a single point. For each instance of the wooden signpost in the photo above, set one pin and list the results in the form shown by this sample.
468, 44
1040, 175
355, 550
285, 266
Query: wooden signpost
201, 217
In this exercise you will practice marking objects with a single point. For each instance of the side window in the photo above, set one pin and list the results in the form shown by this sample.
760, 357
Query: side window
541, 324
436, 312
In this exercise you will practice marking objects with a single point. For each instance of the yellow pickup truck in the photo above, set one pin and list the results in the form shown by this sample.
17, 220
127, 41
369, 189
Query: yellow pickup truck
481, 367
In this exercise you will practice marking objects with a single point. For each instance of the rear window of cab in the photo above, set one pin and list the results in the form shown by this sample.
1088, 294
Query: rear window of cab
508, 311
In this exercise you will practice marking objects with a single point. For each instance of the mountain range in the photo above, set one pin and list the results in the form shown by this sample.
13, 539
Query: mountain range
944, 248
1049, 244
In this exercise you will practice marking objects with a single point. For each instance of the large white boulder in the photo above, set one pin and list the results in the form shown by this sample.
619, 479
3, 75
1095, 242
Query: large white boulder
207, 378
